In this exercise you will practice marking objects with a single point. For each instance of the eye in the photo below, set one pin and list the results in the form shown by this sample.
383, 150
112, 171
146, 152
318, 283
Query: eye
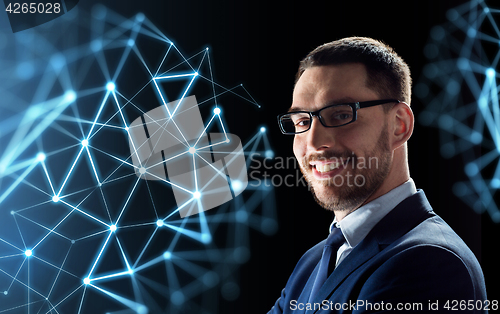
302, 122
343, 116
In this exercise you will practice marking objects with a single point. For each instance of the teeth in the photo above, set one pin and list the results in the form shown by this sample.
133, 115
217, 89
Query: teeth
327, 167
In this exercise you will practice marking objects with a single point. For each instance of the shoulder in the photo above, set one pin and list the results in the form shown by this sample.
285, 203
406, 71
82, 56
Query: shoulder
432, 258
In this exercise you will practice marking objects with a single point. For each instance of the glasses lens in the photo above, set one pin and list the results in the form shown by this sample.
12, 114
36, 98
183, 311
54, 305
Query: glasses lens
295, 122
336, 115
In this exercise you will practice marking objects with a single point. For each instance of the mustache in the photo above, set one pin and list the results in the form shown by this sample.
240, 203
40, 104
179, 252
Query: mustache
343, 157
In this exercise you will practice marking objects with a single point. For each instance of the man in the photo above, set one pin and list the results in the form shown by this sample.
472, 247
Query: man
387, 249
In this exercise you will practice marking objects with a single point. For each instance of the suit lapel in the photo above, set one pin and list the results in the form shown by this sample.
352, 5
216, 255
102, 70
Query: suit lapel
404, 217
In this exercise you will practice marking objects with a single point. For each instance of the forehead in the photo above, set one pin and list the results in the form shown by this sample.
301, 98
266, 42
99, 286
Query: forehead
322, 85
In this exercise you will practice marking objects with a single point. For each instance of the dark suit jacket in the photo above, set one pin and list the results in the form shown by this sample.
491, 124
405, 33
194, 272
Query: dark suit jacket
410, 257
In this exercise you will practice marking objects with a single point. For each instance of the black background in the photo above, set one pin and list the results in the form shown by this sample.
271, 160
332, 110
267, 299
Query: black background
259, 43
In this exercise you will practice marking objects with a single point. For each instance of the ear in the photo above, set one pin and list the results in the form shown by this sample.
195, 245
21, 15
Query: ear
402, 120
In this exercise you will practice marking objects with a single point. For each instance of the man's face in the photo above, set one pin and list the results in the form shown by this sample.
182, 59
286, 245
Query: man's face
342, 165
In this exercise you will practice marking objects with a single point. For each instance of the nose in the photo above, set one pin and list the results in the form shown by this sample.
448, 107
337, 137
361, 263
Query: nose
319, 137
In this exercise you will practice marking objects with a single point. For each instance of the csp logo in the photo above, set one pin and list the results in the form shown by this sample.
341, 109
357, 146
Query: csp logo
170, 143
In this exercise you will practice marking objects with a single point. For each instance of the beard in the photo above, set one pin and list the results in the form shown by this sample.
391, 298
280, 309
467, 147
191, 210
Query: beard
361, 182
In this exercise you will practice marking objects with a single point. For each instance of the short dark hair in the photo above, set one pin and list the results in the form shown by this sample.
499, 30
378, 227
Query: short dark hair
387, 73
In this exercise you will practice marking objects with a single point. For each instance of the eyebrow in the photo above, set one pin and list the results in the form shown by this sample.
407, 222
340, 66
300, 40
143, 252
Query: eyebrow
344, 100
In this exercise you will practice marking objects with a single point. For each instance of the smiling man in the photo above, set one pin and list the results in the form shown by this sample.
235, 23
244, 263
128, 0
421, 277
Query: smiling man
387, 249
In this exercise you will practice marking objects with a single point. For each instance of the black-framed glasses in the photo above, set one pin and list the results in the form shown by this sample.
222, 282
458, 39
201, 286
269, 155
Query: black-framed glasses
330, 116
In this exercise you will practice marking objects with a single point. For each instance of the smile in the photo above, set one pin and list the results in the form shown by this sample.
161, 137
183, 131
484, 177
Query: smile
326, 170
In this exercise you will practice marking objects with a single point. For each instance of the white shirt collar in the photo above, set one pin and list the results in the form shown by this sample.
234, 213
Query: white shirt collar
356, 225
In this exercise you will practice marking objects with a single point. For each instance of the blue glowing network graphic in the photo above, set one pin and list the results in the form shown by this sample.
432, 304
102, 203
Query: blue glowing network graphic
81, 229
459, 86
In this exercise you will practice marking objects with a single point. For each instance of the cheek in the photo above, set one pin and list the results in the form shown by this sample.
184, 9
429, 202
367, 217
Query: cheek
298, 148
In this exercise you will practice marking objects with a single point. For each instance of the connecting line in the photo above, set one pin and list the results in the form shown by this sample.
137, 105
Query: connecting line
15, 168
19, 281
98, 113
81, 211
59, 272
138, 308
119, 108
173, 184
168, 110
230, 91
93, 166
130, 271
17, 182
123, 273
120, 160
100, 253
255, 102
163, 60
144, 248
223, 129
490, 123
222, 174
65, 298
211, 77
155, 261
204, 130
83, 297
167, 160
128, 199
50, 230
194, 170
185, 92
179, 208
190, 233
19, 142
212, 145
71, 170
48, 178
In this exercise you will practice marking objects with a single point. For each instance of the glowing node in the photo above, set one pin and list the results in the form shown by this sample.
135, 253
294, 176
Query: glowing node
28, 253
167, 255
159, 222
197, 195
192, 150
55, 198
5, 292
70, 96
471, 169
236, 185
112, 228
96, 45
131, 271
262, 129
142, 170
130, 42
490, 72
12, 212
85, 143
140, 17
206, 238
177, 298
495, 183
40, 157
126, 129
216, 110
269, 153
86, 281
195, 74
110, 86
142, 310
227, 141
